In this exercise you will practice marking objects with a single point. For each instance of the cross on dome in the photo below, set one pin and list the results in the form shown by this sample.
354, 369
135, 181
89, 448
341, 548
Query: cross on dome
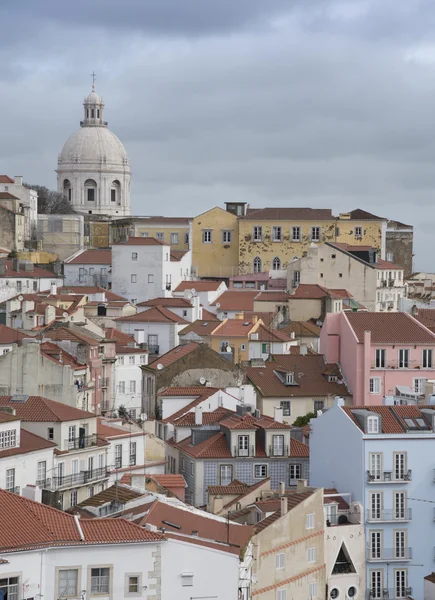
94, 76
93, 108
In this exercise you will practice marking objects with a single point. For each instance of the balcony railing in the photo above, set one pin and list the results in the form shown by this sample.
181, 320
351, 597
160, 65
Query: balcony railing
389, 554
44, 483
384, 516
244, 451
390, 476
14, 490
278, 451
80, 442
390, 594
341, 518
81, 478
394, 364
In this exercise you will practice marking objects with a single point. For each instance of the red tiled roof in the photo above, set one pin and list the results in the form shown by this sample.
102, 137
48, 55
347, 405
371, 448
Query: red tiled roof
167, 302
267, 334
98, 256
274, 296
31, 525
236, 300
199, 286
293, 499
29, 442
141, 241
37, 272
8, 335
7, 196
105, 430
67, 333
170, 480
214, 447
425, 316
156, 314
386, 264
183, 391
6, 179
201, 328
309, 374
177, 255
311, 291
207, 392
233, 328
208, 316
208, 418
289, 214
111, 333
342, 504
236, 422
89, 290
59, 355
392, 416
37, 408
302, 329
362, 215
234, 488
156, 219
389, 328
173, 355
299, 449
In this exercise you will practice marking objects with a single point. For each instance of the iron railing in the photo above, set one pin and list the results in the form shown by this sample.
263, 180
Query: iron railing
390, 476
398, 554
390, 594
80, 478
278, 451
382, 516
81, 442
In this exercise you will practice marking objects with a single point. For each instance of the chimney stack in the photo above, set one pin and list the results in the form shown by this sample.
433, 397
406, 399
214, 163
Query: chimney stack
18, 179
278, 416
281, 488
198, 415
284, 505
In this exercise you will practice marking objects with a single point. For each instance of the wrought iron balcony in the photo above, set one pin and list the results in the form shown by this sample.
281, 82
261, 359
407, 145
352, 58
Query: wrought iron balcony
81, 478
277, 451
240, 452
81, 442
44, 483
153, 349
389, 554
390, 477
390, 594
384, 516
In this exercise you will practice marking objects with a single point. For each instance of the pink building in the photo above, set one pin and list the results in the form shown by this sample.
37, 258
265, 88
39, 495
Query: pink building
378, 352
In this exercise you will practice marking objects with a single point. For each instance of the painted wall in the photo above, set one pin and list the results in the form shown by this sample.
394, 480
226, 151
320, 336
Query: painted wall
92, 274
215, 259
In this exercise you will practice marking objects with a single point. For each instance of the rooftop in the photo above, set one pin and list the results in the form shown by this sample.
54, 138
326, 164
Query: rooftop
89, 290
201, 327
37, 408
115, 493
29, 442
236, 300
293, 499
35, 273
302, 329
171, 302
394, 418
100, 256
233, 328
289, 214
389, 328
8, 335
362, 215
172, 356
199, 286
141, 241
156, 314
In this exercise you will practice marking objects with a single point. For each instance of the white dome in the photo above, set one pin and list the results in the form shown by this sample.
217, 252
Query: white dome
93, 98
92, 145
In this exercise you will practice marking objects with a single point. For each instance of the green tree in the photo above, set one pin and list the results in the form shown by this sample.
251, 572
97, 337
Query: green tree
51, 202
304, 420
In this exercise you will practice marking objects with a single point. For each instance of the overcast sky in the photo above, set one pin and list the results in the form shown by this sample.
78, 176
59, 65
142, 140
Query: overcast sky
317, 103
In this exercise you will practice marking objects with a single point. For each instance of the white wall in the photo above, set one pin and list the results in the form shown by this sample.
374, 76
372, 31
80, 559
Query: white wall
180, 269
127, 372
167, 333
95, 274
11, 286
139, 440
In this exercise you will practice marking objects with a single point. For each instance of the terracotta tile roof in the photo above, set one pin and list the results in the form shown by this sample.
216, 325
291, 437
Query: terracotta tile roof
308, 290
156, 314
208, 418
293, 499
249, 489
8, 335
233, 328
265, 422
173, 355
114, 493
266, 317
350, 248
309, 373
362, 215
302, 329
201, 328
68, 333
274, 296
107, 430
123, 338
430, 577
156, 219
59, 355
37, 408
299, 449
37, 272
342, 504
29, 442
389, 328
100, 256
236, 422
267, 334
170, 480
262, 276
234, 488
196, 390
6, 417
167, 302
32, 525
425, 316
199, 286
141, 241
214, 447
393, 417
207, 392
385, 264
236, 300
130, 350
89, 290
7, 196
208, 316
6, 179
289, 214
177, 255
339, 293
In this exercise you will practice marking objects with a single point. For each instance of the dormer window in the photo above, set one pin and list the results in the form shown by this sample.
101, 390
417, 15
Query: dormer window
332, 378
289, 378
372, 424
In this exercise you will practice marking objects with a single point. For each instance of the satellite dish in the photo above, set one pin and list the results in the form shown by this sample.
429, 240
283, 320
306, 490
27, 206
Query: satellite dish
143, 416
202, 380
160, 366
20, 298
218, 304
193, 291
65, 314
228, 349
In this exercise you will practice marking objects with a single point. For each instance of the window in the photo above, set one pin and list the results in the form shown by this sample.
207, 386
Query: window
380, 358
276, 263
10, 480
132, 459
318, 405
375, 466
144, 234
257, 264
131, 360
313, 590
315, 234
143, 359
206, 236
376, 584
257, 233
150, 278
35, 285
73, 498
243, 445
100, 580
400, 505
8, 439
118, 456
68, 579
375, 544
134, 256
400, 583
103, 271
226, 474
9, 588
133, 584
372, 425
375, 385
376, 505
238, 284
160, 236
427, 358
174, 238
276, 233
50, 433
133, 278
358, 231
295, 473
260, 471
311, 554
279, 560
286, 406
419, 385
42, 471
19, 286
400, 465
296, 278
282, 595
265, 348
309, 521
132, 387
153, 343
400, 549
186, 239
226, 236
81, 274
403, 358
121, 387
278, 445
250, 284
296, 234
91, 194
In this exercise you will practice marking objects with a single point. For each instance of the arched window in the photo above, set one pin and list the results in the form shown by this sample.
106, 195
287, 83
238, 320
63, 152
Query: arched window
87, 113
115, 191
67, 191
90, 190
276, 264
92, 113
98, 113
257, 264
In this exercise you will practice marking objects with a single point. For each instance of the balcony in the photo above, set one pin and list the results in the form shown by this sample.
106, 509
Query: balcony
44, 483
240, 452
81, 478
14, 490
278, 451
105, 382
389, 594
81, 442
390, 477
387, 516
389, 554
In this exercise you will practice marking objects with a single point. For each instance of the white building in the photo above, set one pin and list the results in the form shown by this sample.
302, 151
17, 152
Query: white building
21, 276
93, 170
50, 554
28, 197
128, 379
88, 267
187, 308
207, 291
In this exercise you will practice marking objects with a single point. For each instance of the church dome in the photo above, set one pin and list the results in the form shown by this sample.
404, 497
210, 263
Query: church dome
93, 98
94, 145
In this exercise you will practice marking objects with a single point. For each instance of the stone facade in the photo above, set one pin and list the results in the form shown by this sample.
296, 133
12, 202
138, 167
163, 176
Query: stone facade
399, 245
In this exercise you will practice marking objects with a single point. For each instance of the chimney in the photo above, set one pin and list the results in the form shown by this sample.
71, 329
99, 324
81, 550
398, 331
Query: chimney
255, 319
278, 416
281, 488
217, 505
18, 179
198, 415
31, 492
284, 505
16, 265
53, 289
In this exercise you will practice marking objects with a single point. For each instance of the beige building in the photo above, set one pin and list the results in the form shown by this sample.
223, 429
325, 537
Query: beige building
174, 231
61, 234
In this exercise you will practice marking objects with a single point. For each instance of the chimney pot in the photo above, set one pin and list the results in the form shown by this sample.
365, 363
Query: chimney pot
284, 505
198, 415
281, 488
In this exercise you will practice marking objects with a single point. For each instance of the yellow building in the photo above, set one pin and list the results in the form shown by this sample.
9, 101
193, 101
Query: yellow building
175, 231
361, 228
215, 244
233, 335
